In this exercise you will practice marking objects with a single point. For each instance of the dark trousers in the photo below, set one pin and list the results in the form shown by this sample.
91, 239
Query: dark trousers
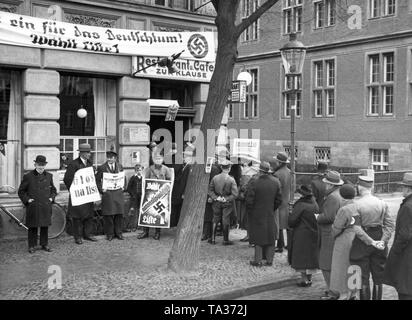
82, 227
268, 252
222, 211
402, 296
207, 229
175, 216
146, 230
32, 236
281, 240
113, 225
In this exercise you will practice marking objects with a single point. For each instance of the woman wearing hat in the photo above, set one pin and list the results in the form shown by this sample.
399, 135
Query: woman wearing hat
304, 251
398, 269
37, 192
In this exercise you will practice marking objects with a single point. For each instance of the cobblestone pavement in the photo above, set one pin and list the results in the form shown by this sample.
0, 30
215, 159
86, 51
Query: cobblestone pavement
312, 293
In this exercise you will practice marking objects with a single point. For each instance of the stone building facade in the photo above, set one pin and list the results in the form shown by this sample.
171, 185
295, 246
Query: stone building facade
355, 108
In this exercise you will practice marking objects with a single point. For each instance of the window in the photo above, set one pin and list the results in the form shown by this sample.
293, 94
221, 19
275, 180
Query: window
250, 109
324, 88
381, 84
287, 97
292, 10
176, 4
251, 32
325, 13
287, 150
381, 8
10, 130
379, 159
322, 153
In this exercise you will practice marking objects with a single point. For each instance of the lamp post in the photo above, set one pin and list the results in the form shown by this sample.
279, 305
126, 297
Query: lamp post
293, 56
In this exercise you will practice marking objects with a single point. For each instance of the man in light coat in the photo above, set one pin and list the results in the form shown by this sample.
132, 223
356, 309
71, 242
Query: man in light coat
331, 204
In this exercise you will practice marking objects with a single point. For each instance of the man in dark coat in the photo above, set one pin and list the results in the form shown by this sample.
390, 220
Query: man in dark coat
398, 269
181, 175
112, 200
263, 197
37, 192
82, 215
317, 185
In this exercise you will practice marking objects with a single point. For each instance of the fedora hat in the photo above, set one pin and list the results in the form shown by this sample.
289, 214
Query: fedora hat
305, 190
407, 179
41, 160
84, 147
365, 181
282, 157
333, 177
265, 167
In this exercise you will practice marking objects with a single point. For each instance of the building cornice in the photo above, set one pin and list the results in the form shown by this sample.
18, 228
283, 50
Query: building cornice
334, 45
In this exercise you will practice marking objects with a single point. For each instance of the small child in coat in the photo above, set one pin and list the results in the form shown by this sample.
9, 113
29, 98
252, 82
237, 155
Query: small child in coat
134, 188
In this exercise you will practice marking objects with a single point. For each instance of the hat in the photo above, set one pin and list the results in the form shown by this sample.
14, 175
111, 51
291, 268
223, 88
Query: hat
365, 181
111, 152
41, 160
305, 190
225, 164
333, 177
322, 165
282, 157
347, 191
84, 147
265, 167
407, 179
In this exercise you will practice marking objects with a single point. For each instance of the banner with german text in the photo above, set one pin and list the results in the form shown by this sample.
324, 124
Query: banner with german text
83, 188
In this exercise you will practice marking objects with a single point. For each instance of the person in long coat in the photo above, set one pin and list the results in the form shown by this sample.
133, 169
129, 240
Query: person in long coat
304, 251
318, 186
112, 200
282, 172
331, 204
398, 269
82, 215
37, 192
344, 229
263, 197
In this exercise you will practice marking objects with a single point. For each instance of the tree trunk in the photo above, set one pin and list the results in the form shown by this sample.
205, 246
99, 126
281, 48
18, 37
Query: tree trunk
184, 255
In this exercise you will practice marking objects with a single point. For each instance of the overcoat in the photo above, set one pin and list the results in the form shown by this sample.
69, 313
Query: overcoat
83, 211
214, 171
112, 200
318, 188
263, 197
398, 269
283, 174
333, 201
39, 187
181, 175
304, 244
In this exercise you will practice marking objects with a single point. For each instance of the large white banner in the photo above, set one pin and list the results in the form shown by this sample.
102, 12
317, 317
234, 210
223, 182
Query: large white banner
20, 30
113, 181
83, 189
246, 148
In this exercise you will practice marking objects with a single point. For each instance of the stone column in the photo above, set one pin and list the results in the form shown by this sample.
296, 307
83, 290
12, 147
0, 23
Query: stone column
41, 131
134, 115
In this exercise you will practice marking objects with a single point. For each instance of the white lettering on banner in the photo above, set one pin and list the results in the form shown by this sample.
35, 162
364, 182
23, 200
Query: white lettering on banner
29, 31
83, 189
113, 181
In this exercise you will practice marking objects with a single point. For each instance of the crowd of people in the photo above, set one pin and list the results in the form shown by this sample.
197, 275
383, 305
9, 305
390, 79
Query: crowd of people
337, 227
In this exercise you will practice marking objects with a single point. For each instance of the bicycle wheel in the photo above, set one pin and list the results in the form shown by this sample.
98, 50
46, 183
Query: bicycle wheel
58, 221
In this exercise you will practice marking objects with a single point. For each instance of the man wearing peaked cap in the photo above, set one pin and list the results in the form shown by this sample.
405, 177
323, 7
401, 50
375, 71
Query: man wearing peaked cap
398, 269
378, 224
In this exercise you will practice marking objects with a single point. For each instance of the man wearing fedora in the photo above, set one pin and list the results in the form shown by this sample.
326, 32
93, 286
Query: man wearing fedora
317, 185
82, 215
398, 269
330, 206
377, 222
112, 200
282, 172
263, 197
222, 191
37, 192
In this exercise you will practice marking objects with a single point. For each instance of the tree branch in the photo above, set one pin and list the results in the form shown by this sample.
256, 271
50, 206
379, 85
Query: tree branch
246, 22
215, 4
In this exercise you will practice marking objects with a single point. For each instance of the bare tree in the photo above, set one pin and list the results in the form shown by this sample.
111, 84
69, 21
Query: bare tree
184, 255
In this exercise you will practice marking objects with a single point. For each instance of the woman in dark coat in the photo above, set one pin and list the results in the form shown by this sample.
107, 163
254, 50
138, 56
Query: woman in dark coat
304, 252
263, 197
398, 269
37, 192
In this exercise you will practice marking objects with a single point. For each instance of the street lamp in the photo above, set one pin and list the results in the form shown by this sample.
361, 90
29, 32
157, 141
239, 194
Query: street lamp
293, 56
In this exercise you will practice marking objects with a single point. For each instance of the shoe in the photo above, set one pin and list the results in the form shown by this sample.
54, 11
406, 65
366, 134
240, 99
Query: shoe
255, 264
46, 248
304, 284
32, 250
110, 238
90, 239
156, 236
78, 241
143, 235
120, 237
279, 250
245, 239
227, 243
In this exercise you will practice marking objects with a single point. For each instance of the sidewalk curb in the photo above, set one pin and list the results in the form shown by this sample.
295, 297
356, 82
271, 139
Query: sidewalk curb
247, 290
